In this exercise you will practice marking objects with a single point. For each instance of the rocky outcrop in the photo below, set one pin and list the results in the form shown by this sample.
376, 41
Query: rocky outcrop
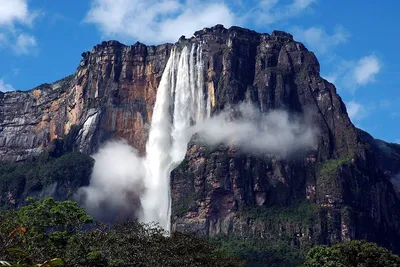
111, 95
339, 191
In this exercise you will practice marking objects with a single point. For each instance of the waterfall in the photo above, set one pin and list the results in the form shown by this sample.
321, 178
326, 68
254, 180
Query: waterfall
157, 161
180, 102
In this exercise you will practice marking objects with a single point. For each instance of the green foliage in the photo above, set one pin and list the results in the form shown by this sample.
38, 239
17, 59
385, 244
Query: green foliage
185, 204
327, 174
302, 214
277, 246
351, 254
331, 167
19, 180
260, 252
49, 213
47, 225
23, 255
49, 263
57, 230
184, 165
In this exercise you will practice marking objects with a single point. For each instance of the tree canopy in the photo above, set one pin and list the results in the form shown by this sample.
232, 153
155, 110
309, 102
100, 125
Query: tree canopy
351, 254
49, 229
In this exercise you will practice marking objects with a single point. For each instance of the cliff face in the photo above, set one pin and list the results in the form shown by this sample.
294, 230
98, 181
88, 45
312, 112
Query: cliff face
111, 95
339, 191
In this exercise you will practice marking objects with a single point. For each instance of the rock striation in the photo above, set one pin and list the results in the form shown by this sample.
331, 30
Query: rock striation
111, 95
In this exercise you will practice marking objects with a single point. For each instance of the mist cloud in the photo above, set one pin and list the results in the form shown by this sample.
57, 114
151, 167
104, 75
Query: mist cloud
274, 133
396, 182
116, 183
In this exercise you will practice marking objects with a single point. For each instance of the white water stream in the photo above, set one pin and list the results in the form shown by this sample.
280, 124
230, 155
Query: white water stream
180, 103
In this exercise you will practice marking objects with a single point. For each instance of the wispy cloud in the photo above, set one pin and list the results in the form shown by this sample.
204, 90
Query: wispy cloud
274, 133
15, 71
156, 21
15, 11
302, 4
25, 43
353, 74
366, 70
5, 87
332, 78
270, 11
318, 40
395, 114
16, 18
3, 40
385, 104
356, 111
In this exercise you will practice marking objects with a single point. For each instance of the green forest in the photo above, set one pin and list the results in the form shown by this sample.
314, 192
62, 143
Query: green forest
59, 233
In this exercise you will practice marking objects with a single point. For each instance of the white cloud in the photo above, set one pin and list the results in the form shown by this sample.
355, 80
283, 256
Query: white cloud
5, 87
275, 133
356, 111
191, 20
396, 182
340, 76
3, 38
319, 40
15, 16
24, 44
351, 75
331, 78
269, 11
15, 11
157, 21
366, 69
268, 4
302, 4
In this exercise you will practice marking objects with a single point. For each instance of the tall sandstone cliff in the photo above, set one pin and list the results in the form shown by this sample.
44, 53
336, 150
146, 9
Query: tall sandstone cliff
340, 191
111, 95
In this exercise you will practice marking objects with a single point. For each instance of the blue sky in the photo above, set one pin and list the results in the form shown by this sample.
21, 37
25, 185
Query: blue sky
355, 41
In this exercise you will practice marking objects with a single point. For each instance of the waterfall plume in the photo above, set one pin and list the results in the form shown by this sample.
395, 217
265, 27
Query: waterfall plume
180, 103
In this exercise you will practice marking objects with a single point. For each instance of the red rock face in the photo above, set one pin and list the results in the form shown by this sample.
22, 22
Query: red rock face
111, 96
30, 120
123, 92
